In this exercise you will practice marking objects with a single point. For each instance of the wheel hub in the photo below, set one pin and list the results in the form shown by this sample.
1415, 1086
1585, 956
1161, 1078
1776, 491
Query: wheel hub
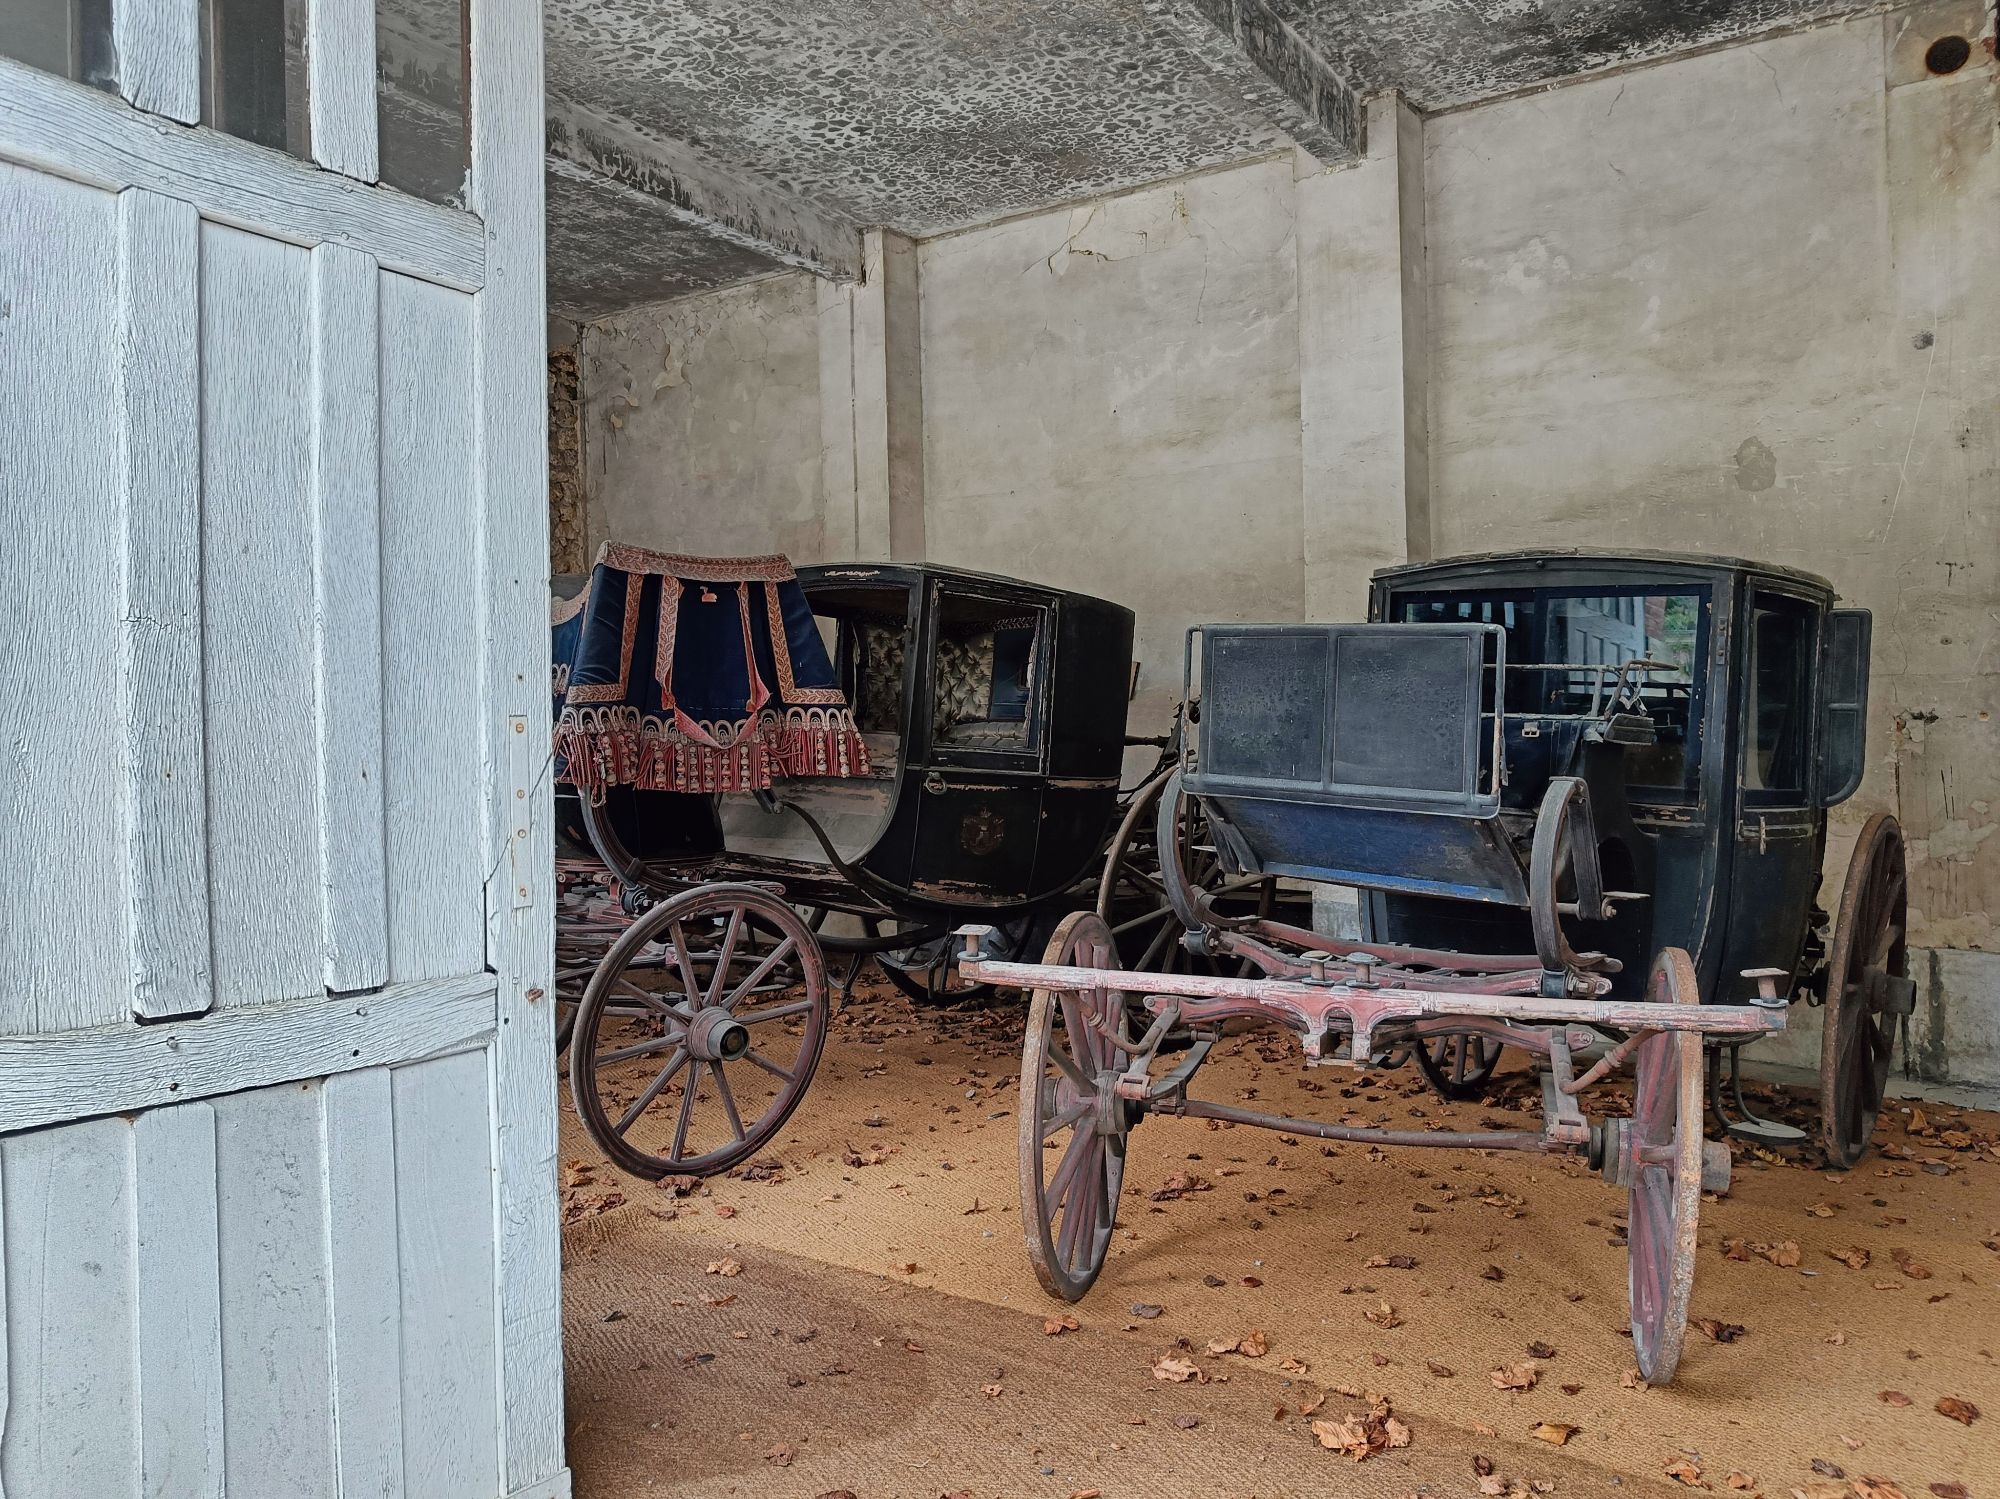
715, 1035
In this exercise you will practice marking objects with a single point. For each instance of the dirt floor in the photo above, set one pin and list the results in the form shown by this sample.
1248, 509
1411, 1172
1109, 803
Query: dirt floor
855, 1315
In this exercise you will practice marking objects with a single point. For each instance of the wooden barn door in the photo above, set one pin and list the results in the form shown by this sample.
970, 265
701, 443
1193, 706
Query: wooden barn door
277, 1119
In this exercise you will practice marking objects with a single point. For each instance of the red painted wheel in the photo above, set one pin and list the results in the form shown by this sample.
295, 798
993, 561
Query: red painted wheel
1663, 1171
1867, 990
699, 1032
1073, 1127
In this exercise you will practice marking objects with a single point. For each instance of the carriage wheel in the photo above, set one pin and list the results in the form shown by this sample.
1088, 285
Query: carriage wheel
1663, 1171
1147, 904
699, 1032
1073, 1128
1867, 989
1457, 1066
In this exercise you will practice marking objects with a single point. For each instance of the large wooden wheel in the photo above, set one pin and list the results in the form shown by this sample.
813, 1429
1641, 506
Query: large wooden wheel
699, 1032
1867, 990
1457, 1066
1073, 1126
1664, 1173
1161, 855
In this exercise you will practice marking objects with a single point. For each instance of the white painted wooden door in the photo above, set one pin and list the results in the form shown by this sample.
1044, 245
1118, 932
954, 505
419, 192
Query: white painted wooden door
277, 1139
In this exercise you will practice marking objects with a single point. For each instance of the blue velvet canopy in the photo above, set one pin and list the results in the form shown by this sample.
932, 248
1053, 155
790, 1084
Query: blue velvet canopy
695, 674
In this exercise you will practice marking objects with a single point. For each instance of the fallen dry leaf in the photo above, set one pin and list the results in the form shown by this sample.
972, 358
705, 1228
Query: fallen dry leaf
1786, 1255
1951, 1489
1055, 1327
1718, 1331
1740, 1480
1295, 1366
1516, 1377
1631, 1379
1177, 1370
1893, 1397
1438, 1371
1361, 1436
1384, 1316
724, 1266
781, 1455
1962, 1411
1855, 1258
1876, 1488
1554, 1432
1683, 1470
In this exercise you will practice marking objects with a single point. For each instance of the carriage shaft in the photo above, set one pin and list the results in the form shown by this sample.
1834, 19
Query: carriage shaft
1375, 1005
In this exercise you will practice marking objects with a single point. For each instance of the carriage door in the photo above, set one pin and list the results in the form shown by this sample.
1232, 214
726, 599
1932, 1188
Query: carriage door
980, 821
276, 1102
1774, 866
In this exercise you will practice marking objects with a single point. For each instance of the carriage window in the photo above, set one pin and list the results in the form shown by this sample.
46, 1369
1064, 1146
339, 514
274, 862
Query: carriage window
1578, 652
984, 674
1775, 713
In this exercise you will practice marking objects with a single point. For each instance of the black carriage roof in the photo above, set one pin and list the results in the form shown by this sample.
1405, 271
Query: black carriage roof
1504, 564
910, 574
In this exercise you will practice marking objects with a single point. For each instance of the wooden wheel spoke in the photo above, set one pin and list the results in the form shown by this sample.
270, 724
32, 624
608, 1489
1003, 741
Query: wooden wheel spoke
651, 1000
1082, 1044
774, 1012
653, 1090
1064, 1118
756, 975
686, 962
640, 1049
724, 955
754, 1055
723, 1091
692, 1086
1059, 1185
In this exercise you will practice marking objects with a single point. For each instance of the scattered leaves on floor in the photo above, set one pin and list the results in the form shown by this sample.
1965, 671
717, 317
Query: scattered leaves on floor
1363, 1434
1557, 1433
1177, 1370
1687, 1471
724, 1266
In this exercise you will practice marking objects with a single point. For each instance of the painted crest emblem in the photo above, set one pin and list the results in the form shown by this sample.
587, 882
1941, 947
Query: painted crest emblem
979, 833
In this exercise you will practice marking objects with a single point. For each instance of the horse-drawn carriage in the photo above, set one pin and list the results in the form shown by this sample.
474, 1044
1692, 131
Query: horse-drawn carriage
773, 765
1585, 801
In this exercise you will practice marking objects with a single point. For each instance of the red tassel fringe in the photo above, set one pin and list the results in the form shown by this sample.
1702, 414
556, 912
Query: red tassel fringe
605, 747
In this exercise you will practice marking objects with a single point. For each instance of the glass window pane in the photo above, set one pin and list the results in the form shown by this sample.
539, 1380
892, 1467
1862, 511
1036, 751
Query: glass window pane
1777, 710
70, 38
420, 62
1571, 651
253, 72
984, 673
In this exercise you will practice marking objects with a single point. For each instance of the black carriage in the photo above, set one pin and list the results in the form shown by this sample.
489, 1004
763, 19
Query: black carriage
1584, 798
1743, 692
984, 723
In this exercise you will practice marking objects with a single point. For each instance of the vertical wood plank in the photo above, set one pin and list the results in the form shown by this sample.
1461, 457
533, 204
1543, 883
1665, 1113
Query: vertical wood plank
6, 1332
59, 568
505, 190
258, 651
430, 710
365, 1284
159, 56
340, 92
179, 1303
160, 616
347, 623
445, 1228
72, 1415
277, 1392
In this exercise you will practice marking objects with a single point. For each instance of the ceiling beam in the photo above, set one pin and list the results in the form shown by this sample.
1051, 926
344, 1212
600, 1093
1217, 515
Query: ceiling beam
1272, 68
729, 205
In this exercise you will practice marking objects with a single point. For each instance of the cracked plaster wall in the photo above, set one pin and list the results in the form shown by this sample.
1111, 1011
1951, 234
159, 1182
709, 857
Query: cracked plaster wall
1730, 303
1742, 303
702, 423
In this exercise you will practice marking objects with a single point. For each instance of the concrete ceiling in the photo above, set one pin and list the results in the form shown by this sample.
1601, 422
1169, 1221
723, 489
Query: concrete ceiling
696, 142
